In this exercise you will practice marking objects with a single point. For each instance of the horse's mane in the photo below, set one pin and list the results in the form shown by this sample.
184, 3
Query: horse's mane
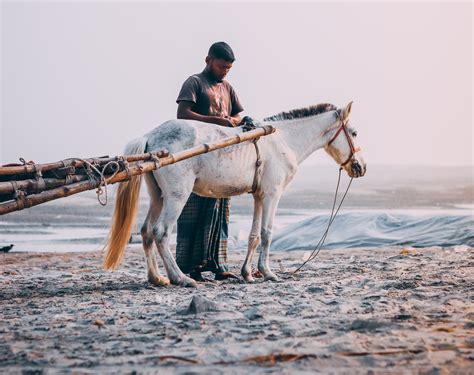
302, 112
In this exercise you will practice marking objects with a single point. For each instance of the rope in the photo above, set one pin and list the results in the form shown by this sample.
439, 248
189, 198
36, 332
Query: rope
89, 167
103, 181
19, 195
320, 244
156, 159
40, 184
123, 161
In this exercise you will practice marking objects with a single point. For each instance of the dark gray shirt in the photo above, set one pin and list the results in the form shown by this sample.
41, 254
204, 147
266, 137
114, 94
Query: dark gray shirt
210, 97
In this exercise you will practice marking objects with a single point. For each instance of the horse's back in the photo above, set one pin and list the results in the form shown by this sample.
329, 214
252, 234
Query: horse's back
225, 172
177, 135
172, 135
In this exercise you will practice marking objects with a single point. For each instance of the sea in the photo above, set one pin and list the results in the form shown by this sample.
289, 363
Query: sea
392, 206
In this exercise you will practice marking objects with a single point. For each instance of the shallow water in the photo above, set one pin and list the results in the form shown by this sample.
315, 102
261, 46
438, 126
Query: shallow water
293, 229
404, 206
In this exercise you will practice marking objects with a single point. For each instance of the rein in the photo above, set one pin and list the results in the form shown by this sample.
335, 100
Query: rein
320, 244
353, 149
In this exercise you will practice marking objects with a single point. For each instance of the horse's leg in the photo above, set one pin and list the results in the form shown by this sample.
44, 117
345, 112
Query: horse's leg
254, 240
172, 206
154, 275
156, 204
270, 204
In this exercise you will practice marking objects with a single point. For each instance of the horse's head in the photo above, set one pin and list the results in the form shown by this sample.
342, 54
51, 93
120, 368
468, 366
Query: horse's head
341, 144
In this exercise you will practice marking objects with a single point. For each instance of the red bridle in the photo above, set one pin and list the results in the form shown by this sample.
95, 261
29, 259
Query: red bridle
353, 149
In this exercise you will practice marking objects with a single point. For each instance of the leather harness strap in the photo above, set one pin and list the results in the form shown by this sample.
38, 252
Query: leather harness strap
352, 148
258, 164
247, 124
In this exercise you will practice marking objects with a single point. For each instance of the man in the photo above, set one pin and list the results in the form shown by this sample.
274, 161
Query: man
203, 224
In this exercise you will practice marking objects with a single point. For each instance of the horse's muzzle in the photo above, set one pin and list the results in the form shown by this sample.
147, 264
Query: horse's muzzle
357, 169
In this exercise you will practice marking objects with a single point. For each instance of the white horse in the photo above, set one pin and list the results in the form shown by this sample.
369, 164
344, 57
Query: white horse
224, 173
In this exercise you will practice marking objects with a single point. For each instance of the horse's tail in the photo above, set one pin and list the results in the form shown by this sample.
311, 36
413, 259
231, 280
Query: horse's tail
126, 205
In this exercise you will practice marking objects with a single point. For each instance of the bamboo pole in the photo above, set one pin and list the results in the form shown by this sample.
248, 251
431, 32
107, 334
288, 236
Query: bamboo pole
77, 163
207, 147
66, 191
136, 169
32, 185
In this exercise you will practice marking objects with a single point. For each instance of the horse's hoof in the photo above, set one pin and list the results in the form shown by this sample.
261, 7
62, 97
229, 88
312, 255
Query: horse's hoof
247, 276
187, 282
158, 280
270, 277
249, 279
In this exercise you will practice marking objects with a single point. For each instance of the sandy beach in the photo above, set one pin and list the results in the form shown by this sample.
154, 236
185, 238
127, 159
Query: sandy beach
354, 311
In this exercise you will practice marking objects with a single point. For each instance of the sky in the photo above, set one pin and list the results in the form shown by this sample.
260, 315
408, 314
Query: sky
81, 79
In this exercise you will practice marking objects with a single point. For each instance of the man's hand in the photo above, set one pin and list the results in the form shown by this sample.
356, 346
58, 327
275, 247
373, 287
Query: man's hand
225, 121
235, 120
185, 112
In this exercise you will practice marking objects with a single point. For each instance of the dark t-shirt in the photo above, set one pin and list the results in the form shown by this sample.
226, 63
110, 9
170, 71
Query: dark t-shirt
210, 97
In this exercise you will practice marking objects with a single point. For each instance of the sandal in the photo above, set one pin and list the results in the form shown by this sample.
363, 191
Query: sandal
196, 275
225, 276
257, 274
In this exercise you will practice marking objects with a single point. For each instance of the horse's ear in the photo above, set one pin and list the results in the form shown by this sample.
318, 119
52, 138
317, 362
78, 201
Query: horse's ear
347, 111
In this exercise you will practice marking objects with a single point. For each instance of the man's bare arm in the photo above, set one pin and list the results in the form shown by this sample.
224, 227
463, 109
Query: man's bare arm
185, 113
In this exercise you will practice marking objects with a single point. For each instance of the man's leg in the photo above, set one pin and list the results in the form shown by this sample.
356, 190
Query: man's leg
195, 228
187, 227
223, 235
222, 272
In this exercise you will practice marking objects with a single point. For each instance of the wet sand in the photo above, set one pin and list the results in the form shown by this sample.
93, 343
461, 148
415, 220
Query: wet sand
366, 311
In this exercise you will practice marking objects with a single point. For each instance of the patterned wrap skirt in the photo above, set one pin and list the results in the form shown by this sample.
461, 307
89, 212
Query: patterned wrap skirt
203, 231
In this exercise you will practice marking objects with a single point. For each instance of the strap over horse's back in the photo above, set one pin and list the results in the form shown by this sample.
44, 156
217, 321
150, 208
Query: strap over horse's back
248, 124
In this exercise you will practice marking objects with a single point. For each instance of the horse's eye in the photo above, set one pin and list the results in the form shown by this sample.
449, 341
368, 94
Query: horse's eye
354, 134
